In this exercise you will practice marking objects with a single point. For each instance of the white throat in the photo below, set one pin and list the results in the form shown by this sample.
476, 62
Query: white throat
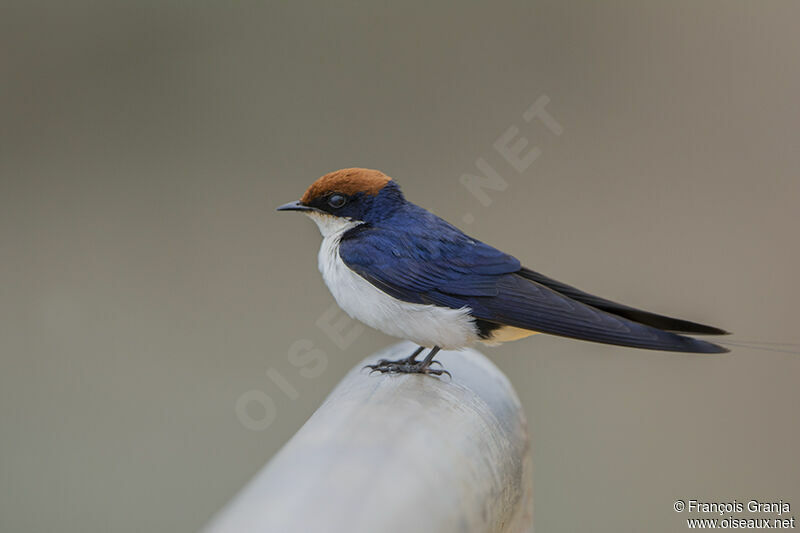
330, 225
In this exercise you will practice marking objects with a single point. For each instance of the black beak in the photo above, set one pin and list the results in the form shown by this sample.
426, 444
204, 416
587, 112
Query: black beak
295, 206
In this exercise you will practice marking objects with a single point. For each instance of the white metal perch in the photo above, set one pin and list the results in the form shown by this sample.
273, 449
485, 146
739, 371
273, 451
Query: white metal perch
399, 453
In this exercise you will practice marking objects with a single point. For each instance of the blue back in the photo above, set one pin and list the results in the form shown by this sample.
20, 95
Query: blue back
415, 256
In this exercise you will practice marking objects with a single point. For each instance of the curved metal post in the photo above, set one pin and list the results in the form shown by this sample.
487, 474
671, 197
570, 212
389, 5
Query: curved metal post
399, 453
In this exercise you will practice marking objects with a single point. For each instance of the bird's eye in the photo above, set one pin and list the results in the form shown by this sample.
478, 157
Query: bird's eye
337, 200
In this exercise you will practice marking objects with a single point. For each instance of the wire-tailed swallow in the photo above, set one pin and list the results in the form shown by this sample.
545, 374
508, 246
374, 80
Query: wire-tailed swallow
406, 272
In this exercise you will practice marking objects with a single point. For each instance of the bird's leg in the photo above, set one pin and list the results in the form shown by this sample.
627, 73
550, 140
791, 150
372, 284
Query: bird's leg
410, 365
429, 358
410, 360
413, 357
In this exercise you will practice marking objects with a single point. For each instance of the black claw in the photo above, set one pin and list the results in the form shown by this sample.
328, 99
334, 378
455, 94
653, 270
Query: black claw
436, 372
405, 367
410, 365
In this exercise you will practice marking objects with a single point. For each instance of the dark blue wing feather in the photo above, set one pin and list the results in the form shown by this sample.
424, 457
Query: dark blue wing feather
429, 255
637, 315
528, 305
429, 261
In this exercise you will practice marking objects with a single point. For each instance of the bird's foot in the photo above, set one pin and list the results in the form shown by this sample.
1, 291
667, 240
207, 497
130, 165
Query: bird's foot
407, 366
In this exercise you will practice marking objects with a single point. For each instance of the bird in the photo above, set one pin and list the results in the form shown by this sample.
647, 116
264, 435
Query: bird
402, 270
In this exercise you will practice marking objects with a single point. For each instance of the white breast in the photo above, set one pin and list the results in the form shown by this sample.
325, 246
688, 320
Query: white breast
426, 325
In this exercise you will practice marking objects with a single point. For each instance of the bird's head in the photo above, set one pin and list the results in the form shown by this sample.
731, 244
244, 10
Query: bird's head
348, 197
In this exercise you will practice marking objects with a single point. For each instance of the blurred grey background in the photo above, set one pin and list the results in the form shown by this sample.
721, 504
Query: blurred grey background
146, 282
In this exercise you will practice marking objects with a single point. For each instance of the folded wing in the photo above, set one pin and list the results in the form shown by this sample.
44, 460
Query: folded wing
637, 315
526, 304
442, 266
